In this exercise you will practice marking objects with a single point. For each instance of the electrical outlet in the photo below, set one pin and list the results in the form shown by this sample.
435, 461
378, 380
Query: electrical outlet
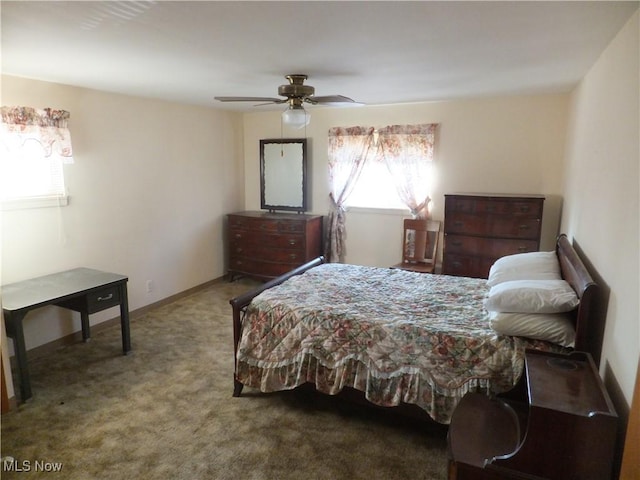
149, 286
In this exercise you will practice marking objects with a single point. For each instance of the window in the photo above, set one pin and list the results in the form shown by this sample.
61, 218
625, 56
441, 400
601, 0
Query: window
373, 190
387, 168
35, 144
398, 170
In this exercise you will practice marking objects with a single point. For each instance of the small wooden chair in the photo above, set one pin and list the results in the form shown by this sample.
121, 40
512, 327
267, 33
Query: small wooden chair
419, 245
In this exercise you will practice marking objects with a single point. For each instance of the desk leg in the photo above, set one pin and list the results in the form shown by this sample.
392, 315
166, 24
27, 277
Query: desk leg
14, 324
86, 329
124, 319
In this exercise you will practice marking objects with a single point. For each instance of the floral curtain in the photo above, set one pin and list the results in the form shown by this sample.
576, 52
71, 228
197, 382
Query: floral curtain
348, 150
46, 126
407, 151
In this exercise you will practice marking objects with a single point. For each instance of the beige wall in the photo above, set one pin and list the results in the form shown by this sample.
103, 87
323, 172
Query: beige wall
601, 208
148, 191
503, 145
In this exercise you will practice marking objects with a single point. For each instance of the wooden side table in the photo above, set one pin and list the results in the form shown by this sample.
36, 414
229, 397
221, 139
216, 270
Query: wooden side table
559, 423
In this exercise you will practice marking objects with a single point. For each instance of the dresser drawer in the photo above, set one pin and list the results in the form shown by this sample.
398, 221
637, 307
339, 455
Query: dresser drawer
261, 268
492, 206
492, 225
489, 247
296, 256
466, 265
249, 240
253, 224
291, 226
238, 223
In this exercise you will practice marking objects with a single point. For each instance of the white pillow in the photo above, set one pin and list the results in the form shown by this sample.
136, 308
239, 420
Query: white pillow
555, 328
525, 266
532, 296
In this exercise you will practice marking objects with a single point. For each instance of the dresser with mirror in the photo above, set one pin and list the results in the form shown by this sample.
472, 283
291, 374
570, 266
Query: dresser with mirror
266, 243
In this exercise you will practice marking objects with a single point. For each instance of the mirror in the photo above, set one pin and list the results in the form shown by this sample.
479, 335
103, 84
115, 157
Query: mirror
283, 174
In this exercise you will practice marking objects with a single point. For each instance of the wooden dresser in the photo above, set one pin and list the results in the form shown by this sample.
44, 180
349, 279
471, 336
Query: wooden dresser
265, 245
479, 229
558, 423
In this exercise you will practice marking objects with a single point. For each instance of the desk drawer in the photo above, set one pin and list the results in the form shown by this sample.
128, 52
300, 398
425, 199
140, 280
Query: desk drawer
104, 298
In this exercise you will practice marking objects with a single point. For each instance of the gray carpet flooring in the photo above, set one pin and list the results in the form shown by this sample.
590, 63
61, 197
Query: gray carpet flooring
166, 412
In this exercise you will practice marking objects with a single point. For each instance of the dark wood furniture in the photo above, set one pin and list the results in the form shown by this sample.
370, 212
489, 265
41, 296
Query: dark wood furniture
630, 467
82, 290
589, 326
265, 245
419, 245
479, 229
558, 424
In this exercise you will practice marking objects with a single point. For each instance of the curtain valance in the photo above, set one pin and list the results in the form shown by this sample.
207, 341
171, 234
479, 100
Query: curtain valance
46, 126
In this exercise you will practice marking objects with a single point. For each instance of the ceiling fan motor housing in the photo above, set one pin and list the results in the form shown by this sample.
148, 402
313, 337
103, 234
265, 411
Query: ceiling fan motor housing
296, 88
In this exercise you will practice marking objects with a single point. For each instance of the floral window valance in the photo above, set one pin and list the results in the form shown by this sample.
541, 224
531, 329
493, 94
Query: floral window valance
46, 126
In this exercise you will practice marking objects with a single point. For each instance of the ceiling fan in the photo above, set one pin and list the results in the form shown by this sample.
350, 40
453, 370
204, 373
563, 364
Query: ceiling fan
296, 93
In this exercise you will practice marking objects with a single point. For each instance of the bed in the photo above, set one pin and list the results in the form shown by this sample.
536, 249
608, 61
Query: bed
404, 338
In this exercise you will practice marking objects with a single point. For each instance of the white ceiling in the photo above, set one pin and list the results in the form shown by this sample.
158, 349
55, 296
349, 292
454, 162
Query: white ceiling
374, 52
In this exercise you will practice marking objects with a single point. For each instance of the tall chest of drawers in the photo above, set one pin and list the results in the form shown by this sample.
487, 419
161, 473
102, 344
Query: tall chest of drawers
265, 245
479, 229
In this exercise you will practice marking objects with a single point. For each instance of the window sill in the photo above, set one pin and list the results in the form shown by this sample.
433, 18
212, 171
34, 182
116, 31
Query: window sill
401, 212
36, 202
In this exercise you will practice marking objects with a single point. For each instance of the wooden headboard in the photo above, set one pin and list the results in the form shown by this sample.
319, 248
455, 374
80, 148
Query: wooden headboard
589, 323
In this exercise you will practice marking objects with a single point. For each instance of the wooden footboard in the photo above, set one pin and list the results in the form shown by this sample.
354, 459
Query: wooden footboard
240, 303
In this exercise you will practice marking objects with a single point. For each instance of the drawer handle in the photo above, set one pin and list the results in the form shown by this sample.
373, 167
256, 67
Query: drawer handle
104, 299
524, 227
293, 256
524, 208
458, 223
293, 242
456, 264
522, 249
238, 235
456, 243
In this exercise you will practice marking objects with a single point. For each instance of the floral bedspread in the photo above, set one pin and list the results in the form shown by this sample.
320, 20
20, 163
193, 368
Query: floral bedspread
397, 336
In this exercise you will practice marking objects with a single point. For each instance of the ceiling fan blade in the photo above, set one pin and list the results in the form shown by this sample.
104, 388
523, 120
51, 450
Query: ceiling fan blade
250, 99
330, 99
271, 102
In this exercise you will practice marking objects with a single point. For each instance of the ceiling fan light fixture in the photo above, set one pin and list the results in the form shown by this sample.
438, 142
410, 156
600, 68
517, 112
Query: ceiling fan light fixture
296, 116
